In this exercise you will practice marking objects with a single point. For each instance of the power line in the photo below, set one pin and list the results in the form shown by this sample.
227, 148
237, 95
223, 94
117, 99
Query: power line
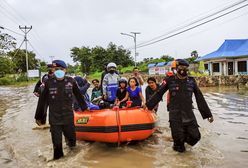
208, 29
4, 28
194, 22
7, 14
35, 50
200, 24
20, 19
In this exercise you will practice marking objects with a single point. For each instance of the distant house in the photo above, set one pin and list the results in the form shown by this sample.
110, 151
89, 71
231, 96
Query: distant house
157, 68
151, 69
230, 59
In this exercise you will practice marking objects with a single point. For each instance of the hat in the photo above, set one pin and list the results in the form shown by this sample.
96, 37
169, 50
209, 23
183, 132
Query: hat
49, 65
182, 62
59, 63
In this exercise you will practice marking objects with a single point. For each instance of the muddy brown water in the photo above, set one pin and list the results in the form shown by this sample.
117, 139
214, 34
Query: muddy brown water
224, 143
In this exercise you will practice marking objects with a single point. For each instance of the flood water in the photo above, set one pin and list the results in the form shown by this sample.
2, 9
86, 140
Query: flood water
224, 143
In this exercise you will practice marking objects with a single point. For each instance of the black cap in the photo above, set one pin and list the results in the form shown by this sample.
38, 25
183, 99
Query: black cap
182, 62
49, 65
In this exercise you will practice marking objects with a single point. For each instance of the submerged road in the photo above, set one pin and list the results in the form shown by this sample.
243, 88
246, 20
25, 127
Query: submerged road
224, 143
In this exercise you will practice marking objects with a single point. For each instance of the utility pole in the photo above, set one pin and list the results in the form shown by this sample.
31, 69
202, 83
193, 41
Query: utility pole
25, 30
135, 49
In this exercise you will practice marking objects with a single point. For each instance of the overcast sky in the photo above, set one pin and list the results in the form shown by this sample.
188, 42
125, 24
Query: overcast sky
59, 25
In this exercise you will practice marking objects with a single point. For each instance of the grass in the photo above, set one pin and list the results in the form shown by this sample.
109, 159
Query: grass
95, 75
16, 80
198, 74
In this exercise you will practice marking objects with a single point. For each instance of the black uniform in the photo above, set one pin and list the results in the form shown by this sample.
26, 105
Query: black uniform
149, 93
182, 120
120, 96
59, 95
39, 87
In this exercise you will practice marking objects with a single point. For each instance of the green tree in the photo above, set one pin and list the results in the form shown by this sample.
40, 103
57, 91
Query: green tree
6, 65
84, 56
94, 59
42, 66
19, 60
7, 42
167, 58
100, 58
194, 54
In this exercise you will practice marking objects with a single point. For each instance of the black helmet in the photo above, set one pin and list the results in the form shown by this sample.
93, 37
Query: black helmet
182, 62
122, 80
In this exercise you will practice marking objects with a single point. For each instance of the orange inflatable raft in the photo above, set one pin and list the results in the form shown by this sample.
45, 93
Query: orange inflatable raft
115, 125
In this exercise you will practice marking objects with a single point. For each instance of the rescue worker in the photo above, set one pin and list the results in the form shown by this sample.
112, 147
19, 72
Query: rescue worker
184, 127
83, 86
110, 83
103, 74
39, 87
137, 75
168, 74
58, 93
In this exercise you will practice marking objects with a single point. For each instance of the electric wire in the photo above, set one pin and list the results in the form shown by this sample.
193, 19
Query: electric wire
193, 27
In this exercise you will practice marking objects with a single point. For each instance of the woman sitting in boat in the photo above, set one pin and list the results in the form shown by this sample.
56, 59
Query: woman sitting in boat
121, 93
134, 93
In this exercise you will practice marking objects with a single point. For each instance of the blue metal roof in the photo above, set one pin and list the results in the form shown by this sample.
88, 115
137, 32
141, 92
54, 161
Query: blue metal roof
160, 64
230, 48
151, 65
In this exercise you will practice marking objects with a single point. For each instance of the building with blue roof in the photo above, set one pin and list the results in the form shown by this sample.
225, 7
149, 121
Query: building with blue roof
157, 68
231, 58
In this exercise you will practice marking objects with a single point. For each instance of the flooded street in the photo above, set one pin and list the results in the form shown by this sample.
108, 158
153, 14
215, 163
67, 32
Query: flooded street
224, 143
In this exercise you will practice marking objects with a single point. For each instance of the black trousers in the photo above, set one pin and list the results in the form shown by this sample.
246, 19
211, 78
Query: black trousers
56, 133
42, 117
182, 133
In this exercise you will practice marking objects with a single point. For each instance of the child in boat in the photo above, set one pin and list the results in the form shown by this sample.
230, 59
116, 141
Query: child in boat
121, 94
134, 93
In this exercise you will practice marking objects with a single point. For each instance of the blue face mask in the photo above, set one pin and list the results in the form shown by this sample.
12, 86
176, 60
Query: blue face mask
59, 73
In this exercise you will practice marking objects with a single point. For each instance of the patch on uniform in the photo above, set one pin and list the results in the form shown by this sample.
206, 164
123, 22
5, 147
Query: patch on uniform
69, 84
83, 120
164, 82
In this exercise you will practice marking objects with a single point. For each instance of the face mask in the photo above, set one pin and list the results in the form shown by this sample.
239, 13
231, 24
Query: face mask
182, 72
59, 73
111, 71
174, 71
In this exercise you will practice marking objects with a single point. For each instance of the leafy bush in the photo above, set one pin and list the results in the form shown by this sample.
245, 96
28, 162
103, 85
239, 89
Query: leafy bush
21, 78
6, 81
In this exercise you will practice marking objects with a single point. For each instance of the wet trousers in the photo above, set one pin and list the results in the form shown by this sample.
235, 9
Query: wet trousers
42, 117
56, 133
184, 133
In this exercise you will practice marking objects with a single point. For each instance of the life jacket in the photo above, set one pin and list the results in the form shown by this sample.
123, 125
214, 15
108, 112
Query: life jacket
111, 86
111, 91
